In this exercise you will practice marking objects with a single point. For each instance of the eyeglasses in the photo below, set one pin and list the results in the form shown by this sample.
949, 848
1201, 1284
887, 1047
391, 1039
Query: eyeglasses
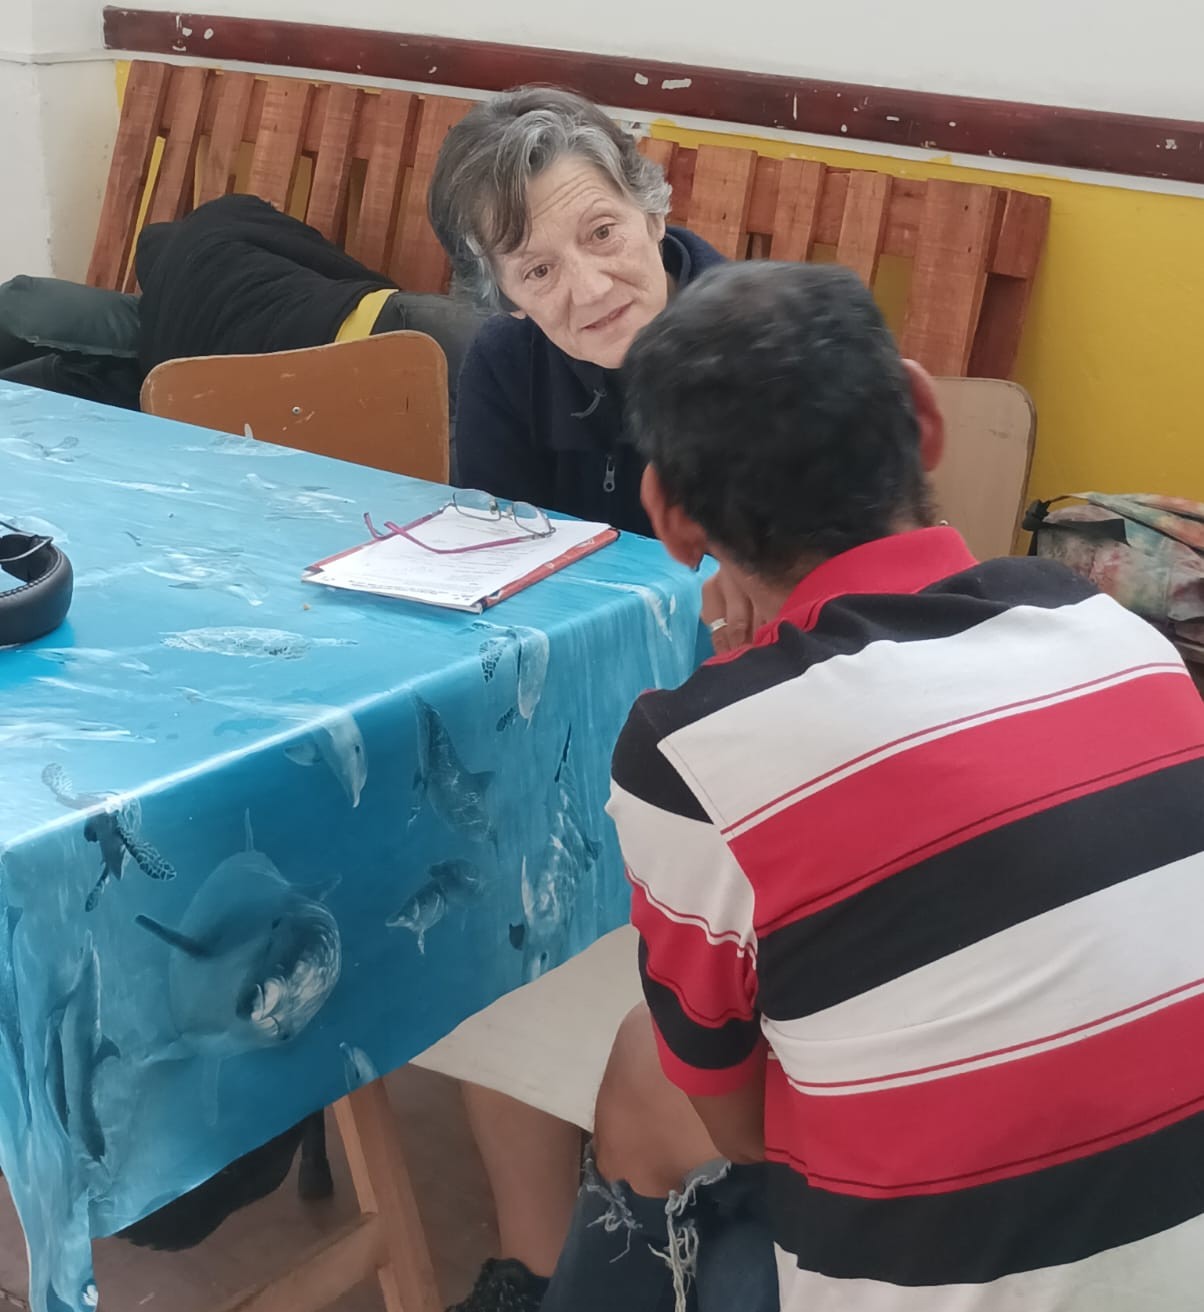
528, 519
37, 543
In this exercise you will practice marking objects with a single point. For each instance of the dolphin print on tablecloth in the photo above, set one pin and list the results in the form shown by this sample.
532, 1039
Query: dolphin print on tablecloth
549, 889
333, 735
76, 1048
457, 796
253, 961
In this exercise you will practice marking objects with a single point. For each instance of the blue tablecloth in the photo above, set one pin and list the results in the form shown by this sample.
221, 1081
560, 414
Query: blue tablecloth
262, 840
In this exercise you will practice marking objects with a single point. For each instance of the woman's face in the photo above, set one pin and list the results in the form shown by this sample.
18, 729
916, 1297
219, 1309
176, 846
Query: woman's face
590, 273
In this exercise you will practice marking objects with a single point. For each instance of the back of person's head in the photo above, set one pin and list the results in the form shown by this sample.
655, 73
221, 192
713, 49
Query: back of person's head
773, 404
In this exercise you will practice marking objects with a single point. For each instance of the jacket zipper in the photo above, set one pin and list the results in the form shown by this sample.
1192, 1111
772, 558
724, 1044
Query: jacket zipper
608, 479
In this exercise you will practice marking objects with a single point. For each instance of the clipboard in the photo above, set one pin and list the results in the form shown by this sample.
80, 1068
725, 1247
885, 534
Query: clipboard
459, 569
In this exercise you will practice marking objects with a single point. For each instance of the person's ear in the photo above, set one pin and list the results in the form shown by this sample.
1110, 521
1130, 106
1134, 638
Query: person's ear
928, 416
657, 224
684, 540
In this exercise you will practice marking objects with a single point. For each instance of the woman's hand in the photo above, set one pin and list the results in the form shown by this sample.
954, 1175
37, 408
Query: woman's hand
727, 611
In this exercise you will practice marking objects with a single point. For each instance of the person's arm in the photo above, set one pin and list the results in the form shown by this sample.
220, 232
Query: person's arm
736, 1121
693, 907
495, 449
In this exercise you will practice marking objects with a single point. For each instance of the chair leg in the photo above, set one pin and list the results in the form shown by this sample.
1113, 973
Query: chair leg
314, 1181
370, 1135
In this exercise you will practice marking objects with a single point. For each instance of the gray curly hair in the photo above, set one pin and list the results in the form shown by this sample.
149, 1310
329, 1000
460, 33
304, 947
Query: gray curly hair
478, 195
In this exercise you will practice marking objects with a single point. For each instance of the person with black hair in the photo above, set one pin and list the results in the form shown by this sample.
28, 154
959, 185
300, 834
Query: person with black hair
915, 873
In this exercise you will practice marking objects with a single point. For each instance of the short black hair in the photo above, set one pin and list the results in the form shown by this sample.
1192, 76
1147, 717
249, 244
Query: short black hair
773, 402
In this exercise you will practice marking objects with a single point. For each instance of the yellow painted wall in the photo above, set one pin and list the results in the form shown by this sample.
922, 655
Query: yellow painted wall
1114, 334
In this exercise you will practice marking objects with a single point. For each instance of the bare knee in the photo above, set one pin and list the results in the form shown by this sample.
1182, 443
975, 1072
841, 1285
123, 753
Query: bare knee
646, 1130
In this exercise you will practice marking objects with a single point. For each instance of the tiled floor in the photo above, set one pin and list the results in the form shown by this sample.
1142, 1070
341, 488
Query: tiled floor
257, 1242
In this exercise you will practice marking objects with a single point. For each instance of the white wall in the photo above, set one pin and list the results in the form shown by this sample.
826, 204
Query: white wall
57, 107
1101, 54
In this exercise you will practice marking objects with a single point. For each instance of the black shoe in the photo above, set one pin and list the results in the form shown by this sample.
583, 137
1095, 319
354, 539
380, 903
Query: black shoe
504, 1285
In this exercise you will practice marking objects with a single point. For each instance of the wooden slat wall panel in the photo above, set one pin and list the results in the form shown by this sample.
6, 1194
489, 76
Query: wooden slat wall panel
145, 95
175, 185
763, 206
365, 130
796, 215
1009, 285
681, 179
863, 227
419, 264
975, 249
278, 142
328, 198
721, 196
659, 152
393, 118
232, 104
1021, 235
949, 276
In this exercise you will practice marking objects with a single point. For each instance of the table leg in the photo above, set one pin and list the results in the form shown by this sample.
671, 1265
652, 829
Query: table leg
372, 1140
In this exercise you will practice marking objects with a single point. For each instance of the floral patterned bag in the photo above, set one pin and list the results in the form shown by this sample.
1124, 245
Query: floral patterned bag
1146, 551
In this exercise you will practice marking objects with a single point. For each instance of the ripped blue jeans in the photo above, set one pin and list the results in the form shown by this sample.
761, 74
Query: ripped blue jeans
705, 1249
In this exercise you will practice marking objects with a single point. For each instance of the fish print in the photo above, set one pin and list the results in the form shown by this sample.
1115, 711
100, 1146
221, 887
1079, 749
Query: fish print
298, 502
491, 652
251, 643
10, 1005
505, 721
421, 913
456, 795
43, 527
28, 448
334, 739
653, 602
230, 444
217, 569
113, 825
448, 884
92, 656
253, 960
76, 1049
358, 1067
532, 651
38, 728
549, 891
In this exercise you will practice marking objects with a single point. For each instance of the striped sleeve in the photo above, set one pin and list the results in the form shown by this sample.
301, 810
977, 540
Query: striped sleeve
693, 908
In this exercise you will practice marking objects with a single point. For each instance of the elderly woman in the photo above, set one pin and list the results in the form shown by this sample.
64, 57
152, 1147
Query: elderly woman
551, 215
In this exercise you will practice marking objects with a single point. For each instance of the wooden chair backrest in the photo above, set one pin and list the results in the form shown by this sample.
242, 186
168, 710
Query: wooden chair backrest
379, 401
356, 165
981, 481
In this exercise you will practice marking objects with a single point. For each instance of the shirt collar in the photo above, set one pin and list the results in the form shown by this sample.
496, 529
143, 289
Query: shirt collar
903, 563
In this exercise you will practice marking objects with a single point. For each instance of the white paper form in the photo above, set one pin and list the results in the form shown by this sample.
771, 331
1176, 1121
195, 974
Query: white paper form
396, 566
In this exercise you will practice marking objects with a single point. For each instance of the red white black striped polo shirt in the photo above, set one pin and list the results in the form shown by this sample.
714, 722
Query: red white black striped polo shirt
938, 837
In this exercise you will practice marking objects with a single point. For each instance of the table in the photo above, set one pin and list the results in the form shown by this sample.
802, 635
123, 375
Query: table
262, 841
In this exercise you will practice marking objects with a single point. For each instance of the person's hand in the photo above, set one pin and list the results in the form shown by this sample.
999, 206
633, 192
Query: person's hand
727, 611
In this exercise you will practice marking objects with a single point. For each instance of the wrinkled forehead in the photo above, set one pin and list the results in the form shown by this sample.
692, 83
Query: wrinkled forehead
556, 199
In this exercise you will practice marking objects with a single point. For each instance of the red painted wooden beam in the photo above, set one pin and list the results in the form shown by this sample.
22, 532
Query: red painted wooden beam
1034, 134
